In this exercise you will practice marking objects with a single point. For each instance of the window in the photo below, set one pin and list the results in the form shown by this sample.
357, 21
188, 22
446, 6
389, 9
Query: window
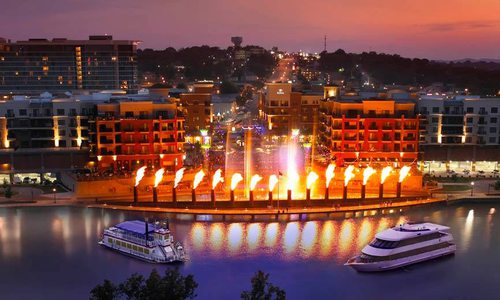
493, 120
435, 120
493, 129
470, 110
434, 139
468, 129
61, 122
435, 110
493, 140
434, 129
72, 112
494, 110
470, 120
23, 112
60, 111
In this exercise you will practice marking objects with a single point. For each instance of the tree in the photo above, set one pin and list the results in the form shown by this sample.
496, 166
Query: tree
106, 291
133, 287
227, 87
8, 192
262, 289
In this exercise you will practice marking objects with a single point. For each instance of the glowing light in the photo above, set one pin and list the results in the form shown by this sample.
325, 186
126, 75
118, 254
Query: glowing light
403, 173
139, 175
217, 178
99, 157
295, 132
369, 171
348, 174
178, 176
253, 182
293, 178
273, 180
329, 174
198, 178
235, 180
311, 178
159, 176
385, 173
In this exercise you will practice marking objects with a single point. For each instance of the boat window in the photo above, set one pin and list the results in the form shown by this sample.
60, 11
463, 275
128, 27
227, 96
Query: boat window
422, 238
146, 251
129, 246
134, 247
110, 240
383, 244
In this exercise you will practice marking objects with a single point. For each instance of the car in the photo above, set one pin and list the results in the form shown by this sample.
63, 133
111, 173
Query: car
26, 180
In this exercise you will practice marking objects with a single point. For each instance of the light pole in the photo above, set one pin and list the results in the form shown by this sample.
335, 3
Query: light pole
54, 190
472, 188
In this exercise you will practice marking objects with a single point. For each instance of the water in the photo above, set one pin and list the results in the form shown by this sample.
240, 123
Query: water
52, 253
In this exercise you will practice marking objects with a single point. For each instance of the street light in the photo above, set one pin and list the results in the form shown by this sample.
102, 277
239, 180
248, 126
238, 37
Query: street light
472, 188
54, 190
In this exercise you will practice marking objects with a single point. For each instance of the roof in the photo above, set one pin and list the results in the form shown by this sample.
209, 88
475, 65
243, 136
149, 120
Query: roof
136, 226
406, 231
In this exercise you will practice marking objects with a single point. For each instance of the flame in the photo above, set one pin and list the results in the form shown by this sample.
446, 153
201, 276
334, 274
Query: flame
178, 176
198, 178
273, 180
385, 173
403, 173
139, 175
235, 180
159, 176
329, 174
217, 178
348, 174
369, 171
253, 182
293, 178
311, 178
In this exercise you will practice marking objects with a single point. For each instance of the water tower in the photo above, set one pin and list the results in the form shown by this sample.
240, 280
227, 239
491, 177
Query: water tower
237, 40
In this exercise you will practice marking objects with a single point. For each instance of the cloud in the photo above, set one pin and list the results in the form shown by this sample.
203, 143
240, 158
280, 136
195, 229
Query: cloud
461, 26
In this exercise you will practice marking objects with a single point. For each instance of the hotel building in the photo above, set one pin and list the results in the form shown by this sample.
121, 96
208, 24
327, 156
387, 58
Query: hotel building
128, 134
370, 130
60, 65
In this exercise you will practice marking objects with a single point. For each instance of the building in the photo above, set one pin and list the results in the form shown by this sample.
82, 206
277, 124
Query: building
461, 132
60, 65
197, 107
128, 134
370, 130
284, 110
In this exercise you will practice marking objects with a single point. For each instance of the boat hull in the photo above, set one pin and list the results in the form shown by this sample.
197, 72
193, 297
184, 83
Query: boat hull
144, 258
402, 262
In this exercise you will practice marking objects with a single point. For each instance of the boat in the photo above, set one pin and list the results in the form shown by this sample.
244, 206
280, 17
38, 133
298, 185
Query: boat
151, 242
404, 245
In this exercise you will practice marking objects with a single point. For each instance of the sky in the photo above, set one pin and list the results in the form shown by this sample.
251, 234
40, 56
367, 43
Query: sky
435, 29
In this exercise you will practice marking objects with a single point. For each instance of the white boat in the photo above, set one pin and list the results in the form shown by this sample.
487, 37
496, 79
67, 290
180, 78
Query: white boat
404, 245
151, 242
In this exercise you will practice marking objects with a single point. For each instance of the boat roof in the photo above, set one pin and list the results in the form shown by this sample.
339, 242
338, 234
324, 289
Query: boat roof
136, 226
407, 230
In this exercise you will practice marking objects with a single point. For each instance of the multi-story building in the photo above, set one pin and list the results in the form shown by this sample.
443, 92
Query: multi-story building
284, 110
59, 65
197, 107
129, 134
370, 129
460, 131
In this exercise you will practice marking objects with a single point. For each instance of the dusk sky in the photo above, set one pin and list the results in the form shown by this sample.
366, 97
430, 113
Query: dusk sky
436, 29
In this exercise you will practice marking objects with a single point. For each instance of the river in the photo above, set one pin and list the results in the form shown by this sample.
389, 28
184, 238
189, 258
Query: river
52, 253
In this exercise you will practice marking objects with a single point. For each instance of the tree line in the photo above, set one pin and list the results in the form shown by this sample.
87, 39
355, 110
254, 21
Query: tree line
174, 286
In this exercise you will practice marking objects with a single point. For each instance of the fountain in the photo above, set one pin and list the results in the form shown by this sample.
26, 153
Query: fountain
216, 179
197, 179
329, 175
138, 178
158, 178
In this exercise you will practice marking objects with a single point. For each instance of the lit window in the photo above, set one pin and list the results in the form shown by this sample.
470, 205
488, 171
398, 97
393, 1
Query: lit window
45, 68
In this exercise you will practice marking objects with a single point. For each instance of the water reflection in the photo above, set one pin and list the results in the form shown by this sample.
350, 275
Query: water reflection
469, 221
332, 239
10, 235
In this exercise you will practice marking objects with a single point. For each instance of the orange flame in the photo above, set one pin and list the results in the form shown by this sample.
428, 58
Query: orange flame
159, 176
253, 182
403, 173
178, 176
369, 171
385, 173
235, 180
273, 180
329, 174
348, 174
311, 178
217, 178
139, 175
198, 178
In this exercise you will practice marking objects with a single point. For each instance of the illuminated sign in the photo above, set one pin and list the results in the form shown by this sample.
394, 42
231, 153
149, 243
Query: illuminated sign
280, 92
